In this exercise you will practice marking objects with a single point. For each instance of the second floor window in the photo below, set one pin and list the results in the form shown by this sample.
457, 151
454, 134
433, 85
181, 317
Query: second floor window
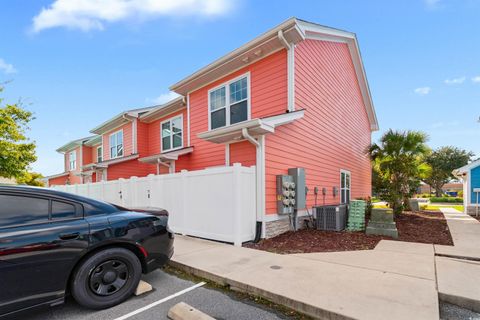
72, 160
172, 134
116, 145
99, 154
229, 104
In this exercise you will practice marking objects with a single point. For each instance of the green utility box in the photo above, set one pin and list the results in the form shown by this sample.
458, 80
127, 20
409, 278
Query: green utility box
356, 215
382, 223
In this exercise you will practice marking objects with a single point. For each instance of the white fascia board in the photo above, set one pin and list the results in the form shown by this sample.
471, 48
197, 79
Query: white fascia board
284, 118
234, 132
466, 168
321, 33
170, 155
306, 27
163, 110
111, 124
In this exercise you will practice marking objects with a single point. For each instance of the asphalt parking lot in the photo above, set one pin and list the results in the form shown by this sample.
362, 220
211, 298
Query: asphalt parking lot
168, 291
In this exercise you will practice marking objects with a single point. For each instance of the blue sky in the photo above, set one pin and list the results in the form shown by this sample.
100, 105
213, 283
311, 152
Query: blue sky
76, 63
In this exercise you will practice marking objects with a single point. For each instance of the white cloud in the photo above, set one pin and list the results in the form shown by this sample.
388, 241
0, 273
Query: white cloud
93, 14
163, 98
432, 4
6, 67
423, 91
459, 80
476, 79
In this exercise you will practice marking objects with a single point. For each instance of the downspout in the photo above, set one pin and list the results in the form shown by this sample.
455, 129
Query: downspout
258, 184
290, 70
247, 136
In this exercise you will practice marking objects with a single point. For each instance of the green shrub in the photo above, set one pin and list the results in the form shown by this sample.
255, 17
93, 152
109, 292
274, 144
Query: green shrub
446, 199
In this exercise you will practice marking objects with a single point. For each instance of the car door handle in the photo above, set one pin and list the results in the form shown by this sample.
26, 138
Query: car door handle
69, 236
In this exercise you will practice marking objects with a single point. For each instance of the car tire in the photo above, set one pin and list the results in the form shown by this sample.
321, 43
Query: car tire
106, 278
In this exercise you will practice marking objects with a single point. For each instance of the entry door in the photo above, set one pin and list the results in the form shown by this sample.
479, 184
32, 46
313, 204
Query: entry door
40, 240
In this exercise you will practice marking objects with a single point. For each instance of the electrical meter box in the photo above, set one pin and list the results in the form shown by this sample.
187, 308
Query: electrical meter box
298, 175
291, 191
285, 194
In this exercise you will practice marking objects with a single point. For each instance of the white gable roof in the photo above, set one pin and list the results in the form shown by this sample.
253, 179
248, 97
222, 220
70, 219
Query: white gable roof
465, 169
294, 31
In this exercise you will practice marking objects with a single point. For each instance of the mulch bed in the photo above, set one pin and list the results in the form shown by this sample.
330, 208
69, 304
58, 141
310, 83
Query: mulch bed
424, 227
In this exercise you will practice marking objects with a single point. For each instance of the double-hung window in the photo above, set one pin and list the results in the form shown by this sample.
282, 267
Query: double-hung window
72, 159
344, 186
229, 103
172, 134
99, 154
116, 145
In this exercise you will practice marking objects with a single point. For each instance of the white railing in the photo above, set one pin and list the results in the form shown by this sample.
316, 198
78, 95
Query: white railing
216, 203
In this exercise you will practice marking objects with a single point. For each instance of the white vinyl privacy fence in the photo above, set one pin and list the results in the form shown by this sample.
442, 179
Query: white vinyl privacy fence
216, 203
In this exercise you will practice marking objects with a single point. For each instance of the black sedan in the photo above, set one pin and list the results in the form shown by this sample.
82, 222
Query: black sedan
54, 243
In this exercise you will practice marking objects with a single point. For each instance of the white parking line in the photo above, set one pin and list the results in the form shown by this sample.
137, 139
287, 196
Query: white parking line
156, 303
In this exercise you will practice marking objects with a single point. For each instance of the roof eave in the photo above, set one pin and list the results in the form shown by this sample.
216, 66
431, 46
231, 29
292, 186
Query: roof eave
163, 110
111, 124
248, 54
73, 144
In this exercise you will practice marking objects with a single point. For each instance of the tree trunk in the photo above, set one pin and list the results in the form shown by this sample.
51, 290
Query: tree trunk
438, 190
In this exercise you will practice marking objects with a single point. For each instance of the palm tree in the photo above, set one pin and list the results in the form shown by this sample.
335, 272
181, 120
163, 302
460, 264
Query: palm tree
398, 162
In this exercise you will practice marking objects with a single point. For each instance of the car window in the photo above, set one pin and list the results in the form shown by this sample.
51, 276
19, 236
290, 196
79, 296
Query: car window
22, 210
62, 210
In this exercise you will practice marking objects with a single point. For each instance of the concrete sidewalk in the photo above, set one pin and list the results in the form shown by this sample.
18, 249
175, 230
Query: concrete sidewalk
393, 282
458, 266
465, 232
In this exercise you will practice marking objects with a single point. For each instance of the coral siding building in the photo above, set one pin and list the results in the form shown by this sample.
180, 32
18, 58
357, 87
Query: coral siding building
296, 96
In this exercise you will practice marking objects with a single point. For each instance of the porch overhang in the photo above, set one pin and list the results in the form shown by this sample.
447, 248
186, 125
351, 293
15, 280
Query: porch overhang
166, 156
255, 127
94, 166
104, 164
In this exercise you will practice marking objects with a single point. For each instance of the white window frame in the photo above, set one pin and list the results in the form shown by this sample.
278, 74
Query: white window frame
101, 153
171, 133
344, 189
72, 164
227, 101
110, 146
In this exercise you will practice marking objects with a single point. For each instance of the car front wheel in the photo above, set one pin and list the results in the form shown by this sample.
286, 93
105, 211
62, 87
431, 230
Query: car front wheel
106, 278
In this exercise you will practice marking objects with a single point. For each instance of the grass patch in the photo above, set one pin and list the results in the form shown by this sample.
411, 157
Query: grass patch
431, 207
